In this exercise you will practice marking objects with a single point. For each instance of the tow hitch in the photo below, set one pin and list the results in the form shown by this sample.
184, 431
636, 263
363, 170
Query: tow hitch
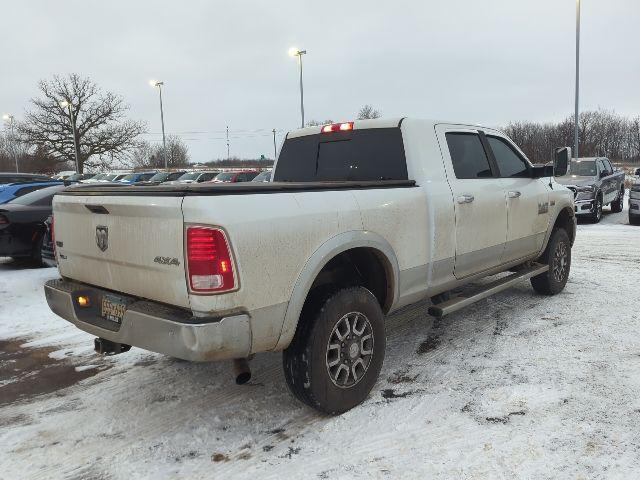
107, 347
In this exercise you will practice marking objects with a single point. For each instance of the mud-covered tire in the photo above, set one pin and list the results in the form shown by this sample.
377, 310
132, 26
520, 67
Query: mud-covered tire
558, 257
309, 361
618, 204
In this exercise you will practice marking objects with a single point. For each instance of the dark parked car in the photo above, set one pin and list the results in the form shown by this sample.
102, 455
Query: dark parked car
22, 224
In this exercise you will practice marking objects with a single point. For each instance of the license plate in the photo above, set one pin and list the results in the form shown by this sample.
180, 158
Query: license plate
113, 308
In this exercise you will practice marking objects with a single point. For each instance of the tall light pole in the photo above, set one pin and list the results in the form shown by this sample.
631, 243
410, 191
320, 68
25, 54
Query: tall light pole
275, 150
10, 119
67, 104
227, 143
577, 115
296, 52
155, 83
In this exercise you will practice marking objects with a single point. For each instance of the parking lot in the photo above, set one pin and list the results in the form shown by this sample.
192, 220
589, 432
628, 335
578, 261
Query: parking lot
516, 385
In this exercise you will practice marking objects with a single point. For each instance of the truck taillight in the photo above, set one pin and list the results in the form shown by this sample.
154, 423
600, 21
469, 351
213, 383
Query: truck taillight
4, 220
338, 127
209, 264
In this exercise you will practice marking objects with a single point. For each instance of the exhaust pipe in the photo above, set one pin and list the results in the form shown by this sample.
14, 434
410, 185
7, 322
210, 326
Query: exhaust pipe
241, 371
107, 347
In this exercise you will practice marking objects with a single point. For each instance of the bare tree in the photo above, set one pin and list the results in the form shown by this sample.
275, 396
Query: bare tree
102, 133
316, 123
367, 112
145, 155
601, 133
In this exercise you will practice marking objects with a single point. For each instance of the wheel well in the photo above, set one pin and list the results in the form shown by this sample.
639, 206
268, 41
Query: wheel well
565, 221
364, 266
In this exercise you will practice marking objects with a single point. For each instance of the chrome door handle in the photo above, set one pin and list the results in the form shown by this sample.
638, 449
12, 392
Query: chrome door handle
466, 198
513, 194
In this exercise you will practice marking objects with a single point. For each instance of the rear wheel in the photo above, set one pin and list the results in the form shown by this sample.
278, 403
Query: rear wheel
36, 254
618, 204
558, 257
337, 353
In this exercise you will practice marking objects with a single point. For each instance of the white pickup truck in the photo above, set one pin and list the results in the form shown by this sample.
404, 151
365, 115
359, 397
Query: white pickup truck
361, 218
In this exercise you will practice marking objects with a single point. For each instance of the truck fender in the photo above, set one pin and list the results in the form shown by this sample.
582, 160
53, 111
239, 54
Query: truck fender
328, 250
572, 234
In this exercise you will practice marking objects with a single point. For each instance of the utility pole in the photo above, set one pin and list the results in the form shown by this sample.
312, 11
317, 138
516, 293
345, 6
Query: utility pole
577, 114
227, 142
155, 83
275, 150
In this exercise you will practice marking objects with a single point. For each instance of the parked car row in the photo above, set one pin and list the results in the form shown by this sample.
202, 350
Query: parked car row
158, 177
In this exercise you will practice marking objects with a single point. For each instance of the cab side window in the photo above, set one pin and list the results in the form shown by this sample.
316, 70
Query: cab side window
607, 166
510, 163
468, 156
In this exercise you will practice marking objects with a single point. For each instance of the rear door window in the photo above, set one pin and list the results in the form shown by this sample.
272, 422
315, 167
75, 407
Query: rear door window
468, 156
510, 163
357, 155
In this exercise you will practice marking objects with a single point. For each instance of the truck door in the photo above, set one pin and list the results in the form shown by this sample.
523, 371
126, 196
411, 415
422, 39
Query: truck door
479, 201
527, 199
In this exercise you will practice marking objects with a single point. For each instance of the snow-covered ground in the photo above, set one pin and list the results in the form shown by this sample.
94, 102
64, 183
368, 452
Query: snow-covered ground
518, 385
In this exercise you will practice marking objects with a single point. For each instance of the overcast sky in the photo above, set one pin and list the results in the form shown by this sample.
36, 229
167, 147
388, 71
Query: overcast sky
226, 63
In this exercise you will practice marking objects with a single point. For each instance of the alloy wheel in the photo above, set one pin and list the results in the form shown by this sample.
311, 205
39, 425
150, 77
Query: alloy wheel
349, 350
560, 266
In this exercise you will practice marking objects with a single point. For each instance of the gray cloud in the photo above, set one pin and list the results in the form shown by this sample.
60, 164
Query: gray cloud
226, 63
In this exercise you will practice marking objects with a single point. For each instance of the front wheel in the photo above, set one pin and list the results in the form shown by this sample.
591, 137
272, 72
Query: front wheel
558, 257
596, 216
337, 353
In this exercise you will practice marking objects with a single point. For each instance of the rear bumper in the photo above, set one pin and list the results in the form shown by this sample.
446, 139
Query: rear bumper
153, 326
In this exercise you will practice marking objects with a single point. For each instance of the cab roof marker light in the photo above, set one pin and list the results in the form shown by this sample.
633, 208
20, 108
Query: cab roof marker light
337, 127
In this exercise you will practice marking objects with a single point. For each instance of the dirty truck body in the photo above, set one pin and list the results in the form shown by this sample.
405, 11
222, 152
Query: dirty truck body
360, 219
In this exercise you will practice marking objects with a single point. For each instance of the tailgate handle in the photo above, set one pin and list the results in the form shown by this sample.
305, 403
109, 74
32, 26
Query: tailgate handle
97, 209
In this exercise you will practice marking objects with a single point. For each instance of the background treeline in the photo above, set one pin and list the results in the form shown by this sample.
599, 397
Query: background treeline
601, 133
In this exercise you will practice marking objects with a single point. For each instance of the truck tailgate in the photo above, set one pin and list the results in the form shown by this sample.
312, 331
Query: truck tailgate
129, 244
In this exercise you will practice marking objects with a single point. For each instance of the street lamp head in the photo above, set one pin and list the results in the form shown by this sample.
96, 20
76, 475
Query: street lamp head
65, 103
155, 83
7, 117
296, 52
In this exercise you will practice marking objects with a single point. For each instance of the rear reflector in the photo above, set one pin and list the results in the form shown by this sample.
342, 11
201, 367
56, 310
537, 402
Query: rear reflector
337, 127
209, 264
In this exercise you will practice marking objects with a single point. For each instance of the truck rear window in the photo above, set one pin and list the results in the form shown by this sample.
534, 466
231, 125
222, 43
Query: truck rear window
358, 155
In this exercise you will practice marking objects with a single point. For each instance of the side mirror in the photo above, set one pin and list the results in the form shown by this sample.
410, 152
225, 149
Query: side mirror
604, 173
561, 161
